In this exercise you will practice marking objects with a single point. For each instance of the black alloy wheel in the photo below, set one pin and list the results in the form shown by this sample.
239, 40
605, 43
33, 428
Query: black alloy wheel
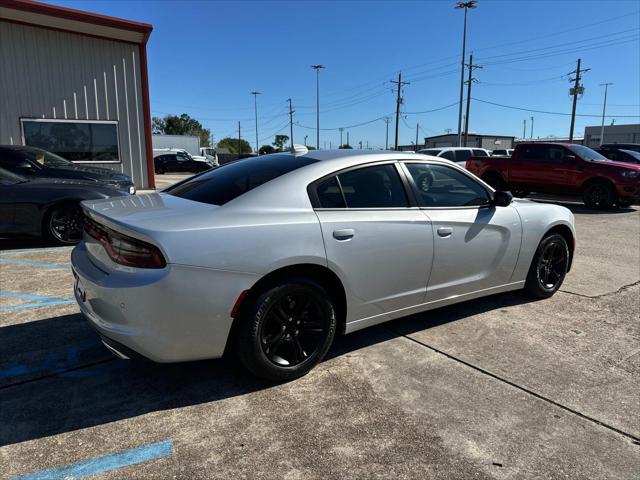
64, 224
598, 195
286, 330
549, 267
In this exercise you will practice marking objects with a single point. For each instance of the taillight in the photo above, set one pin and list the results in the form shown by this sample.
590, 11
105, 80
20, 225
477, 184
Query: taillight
123, 249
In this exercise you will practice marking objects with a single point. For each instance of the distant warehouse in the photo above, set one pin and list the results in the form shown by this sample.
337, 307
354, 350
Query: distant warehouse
75, 83
475, 140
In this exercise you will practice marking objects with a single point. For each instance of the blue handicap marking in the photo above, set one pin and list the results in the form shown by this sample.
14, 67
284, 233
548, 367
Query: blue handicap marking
31, 263
33, 300
97, 465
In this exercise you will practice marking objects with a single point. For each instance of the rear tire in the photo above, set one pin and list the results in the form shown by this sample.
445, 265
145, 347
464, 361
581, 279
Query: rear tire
286, 329
598, 195
63, 224
548, 267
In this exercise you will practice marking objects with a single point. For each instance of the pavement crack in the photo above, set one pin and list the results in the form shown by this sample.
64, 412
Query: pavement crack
602, 295
634, 439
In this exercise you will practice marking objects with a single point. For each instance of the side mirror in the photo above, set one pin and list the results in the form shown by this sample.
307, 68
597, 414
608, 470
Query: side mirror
501, 199
569, 159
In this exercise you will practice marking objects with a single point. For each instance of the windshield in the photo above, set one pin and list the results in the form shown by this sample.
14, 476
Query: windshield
9, 178
42, 157
587, 153
219, 186
632, 153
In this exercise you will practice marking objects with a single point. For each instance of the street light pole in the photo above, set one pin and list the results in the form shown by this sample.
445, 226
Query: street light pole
465, 5
604, 110
317, 68
255, 107
305, 140
531, 129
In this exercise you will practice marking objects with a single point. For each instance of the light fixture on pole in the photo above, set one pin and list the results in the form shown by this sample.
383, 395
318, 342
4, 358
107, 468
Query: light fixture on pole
465, 5
255, 107
317, 68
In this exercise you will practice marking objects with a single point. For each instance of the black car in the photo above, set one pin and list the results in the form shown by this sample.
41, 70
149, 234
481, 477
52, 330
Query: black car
619, 154
47, 207
178, 162
32, 162
622, 146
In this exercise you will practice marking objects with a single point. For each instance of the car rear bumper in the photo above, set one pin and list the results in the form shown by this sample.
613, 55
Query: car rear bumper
177, 313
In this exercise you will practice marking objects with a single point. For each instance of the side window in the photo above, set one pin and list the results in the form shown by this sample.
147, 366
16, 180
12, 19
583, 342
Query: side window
449, 155
373, 187
534, 152
480, 153
462, 155
329, 194
556, 154
442, 186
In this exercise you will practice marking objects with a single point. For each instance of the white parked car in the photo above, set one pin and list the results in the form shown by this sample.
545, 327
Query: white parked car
459, 155
182, 152
505, 152
272, 256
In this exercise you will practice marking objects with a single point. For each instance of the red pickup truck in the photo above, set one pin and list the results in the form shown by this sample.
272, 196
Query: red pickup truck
561, 169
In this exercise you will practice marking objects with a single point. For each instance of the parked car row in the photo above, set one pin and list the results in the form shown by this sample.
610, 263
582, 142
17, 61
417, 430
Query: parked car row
40, 193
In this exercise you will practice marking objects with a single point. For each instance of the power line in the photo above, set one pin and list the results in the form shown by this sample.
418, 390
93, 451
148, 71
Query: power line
548, 112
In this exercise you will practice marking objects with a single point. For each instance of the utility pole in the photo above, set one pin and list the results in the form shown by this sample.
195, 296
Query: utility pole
465, 5
417, 126
386, 142
524, 130
290, 121
400, 83
575, 91
317, 69
348, 139
604, 109
239, 144
255, 107
305, 140
367, 144
341, 130
469, 82
360, 143
531, 128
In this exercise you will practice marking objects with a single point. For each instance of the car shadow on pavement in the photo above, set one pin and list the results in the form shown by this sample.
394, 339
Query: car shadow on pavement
581, 209
20, 243
56, 377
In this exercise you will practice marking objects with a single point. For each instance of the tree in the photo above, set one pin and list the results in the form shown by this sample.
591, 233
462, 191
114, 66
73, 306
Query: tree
280, 141
181, 125
266, 149
346, 145
232, 145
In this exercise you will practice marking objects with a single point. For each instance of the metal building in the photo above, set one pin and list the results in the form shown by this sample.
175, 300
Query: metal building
629, 133
76, 83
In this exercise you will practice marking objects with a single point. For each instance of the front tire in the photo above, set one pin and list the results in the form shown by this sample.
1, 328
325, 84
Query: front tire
548, 268
63, 224
599, 195
286, 330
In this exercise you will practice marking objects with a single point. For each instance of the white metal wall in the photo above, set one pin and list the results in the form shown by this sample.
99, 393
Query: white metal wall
50, 74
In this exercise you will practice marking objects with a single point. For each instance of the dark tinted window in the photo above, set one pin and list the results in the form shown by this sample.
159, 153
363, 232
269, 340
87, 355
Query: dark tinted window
329, 194
441, 186
534, 152
556, 154
462, 155
480, 153
449, 155
223, 184
77, 141
586, 153
373, 187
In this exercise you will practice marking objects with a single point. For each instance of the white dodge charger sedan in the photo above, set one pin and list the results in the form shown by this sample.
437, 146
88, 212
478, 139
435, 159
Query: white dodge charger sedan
270, 257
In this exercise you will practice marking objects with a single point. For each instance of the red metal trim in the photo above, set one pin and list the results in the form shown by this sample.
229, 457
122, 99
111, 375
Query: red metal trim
146, 111
78, 15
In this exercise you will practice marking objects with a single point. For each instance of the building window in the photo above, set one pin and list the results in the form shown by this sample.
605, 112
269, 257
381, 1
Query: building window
83, 141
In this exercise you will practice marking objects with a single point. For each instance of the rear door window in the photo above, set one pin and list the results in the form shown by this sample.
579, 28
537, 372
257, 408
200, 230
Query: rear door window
534, 152
449, 155
330, 194
477, 152
462, 155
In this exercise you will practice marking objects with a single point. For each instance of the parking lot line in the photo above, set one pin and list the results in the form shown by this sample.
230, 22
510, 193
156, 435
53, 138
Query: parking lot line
34, 264
40, 300
97, 465
35, 250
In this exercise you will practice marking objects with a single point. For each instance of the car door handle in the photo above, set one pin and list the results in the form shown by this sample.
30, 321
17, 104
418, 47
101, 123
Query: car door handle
345, 234
445, 232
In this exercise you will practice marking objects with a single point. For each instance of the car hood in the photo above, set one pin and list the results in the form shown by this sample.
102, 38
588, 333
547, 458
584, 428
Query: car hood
613, 163
52, 181
87, 172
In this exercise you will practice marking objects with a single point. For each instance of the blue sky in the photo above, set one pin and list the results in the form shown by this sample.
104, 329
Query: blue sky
205, 57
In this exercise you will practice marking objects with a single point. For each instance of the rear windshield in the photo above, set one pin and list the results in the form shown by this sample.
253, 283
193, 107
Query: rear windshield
223, 184
431, 151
